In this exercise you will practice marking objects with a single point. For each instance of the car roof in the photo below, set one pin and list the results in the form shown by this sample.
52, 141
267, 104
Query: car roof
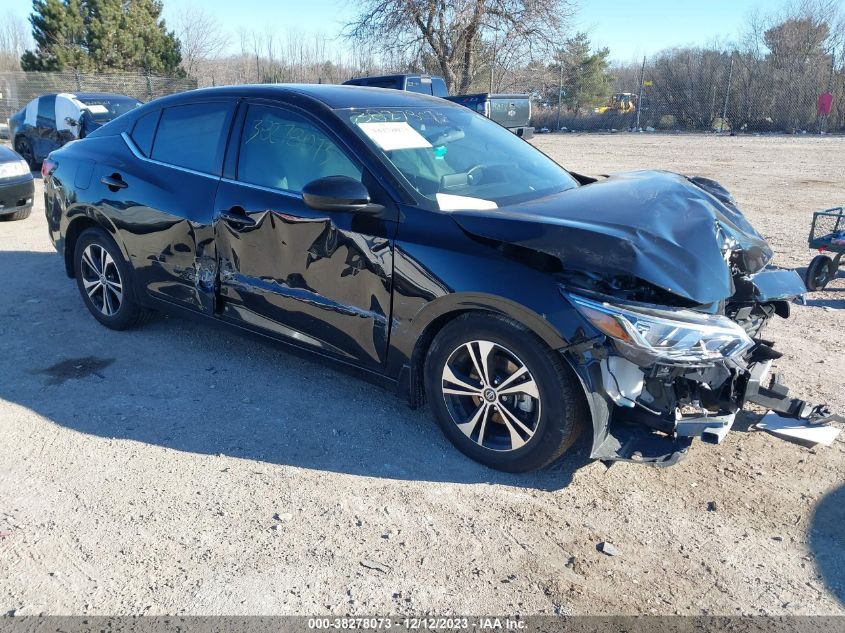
399, 76
82, 96
493, 95
334, 96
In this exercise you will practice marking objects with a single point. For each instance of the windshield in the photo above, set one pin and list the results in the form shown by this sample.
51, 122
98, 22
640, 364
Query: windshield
106, 109
457, 159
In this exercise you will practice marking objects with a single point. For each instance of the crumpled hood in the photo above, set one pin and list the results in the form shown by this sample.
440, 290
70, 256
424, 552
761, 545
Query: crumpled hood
660, 227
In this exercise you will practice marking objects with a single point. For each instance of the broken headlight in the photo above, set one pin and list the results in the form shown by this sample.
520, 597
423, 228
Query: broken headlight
646, 333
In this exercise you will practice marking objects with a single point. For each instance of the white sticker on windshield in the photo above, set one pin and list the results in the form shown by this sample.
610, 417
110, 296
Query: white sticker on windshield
449, 202
97, 108
394, 135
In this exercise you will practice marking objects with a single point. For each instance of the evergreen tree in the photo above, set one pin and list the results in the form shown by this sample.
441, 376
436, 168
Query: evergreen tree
586, 82
59, 31
101, 35
154, 48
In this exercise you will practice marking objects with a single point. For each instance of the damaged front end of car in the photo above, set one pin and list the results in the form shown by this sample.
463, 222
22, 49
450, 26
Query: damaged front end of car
674, 290
659, 377
669, 374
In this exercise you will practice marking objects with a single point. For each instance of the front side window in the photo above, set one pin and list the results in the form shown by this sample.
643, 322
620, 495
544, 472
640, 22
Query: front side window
192, 136
283, 150
457, 159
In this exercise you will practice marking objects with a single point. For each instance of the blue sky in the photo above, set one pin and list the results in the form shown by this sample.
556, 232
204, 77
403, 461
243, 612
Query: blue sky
630, 28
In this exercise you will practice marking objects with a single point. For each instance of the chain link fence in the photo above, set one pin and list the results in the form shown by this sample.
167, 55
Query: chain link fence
18, 88
707, 91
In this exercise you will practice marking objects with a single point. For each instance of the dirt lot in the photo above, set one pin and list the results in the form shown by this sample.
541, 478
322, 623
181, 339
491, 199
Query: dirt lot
185, 469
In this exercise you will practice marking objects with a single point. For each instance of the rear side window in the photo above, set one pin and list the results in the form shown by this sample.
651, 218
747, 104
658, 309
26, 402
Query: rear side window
47, 111
386, 82
192, 136
144, 130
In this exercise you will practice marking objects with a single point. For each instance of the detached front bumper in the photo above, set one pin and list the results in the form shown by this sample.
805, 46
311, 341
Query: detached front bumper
652, 414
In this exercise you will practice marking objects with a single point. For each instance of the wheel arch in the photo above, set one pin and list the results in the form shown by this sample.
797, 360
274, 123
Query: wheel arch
20, 135
428, 323
77, 225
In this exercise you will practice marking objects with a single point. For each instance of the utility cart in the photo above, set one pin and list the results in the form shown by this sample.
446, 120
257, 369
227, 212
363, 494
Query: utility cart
827, 235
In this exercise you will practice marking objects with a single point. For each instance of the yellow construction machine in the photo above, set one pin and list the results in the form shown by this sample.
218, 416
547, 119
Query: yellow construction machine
620, 103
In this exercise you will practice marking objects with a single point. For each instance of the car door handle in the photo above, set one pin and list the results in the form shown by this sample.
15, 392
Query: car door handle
236, 215
114, 182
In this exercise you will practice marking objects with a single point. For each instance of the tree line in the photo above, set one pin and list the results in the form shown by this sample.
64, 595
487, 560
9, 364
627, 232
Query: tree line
769, 79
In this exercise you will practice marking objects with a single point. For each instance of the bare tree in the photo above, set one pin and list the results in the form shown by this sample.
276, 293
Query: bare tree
454, 31
200, 37
14, 40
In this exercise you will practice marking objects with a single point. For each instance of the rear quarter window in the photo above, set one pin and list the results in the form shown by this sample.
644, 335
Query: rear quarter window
192, 136
144, 130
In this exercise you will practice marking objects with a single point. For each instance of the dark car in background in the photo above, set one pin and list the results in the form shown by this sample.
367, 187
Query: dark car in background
17, 187
49, 121
512, 111
429, 249
422, 84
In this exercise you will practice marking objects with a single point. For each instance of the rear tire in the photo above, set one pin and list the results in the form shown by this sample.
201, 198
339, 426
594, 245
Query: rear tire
104, 281
819, 272
24, 148
500, 395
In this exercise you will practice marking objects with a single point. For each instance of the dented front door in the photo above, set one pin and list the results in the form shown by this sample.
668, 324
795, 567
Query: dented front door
321, 280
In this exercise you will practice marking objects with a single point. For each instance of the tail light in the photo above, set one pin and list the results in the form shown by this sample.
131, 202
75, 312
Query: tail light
47, 167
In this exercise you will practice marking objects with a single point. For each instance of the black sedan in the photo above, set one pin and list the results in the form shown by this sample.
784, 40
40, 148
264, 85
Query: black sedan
435, 253
16, 186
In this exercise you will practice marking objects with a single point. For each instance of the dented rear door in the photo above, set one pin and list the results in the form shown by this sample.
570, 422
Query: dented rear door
318, 279
162, 202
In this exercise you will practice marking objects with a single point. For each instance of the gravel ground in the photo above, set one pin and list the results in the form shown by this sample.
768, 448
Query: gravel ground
186, 469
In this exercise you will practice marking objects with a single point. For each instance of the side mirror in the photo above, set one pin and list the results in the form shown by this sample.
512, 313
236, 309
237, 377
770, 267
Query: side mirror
336, 193
71, 122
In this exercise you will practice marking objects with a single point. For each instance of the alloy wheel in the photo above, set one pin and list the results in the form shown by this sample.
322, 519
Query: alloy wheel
101, 279
491, 395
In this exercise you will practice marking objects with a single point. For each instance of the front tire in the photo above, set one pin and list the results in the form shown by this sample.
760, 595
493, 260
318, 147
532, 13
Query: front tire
23, 214
500, 395
103, 278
